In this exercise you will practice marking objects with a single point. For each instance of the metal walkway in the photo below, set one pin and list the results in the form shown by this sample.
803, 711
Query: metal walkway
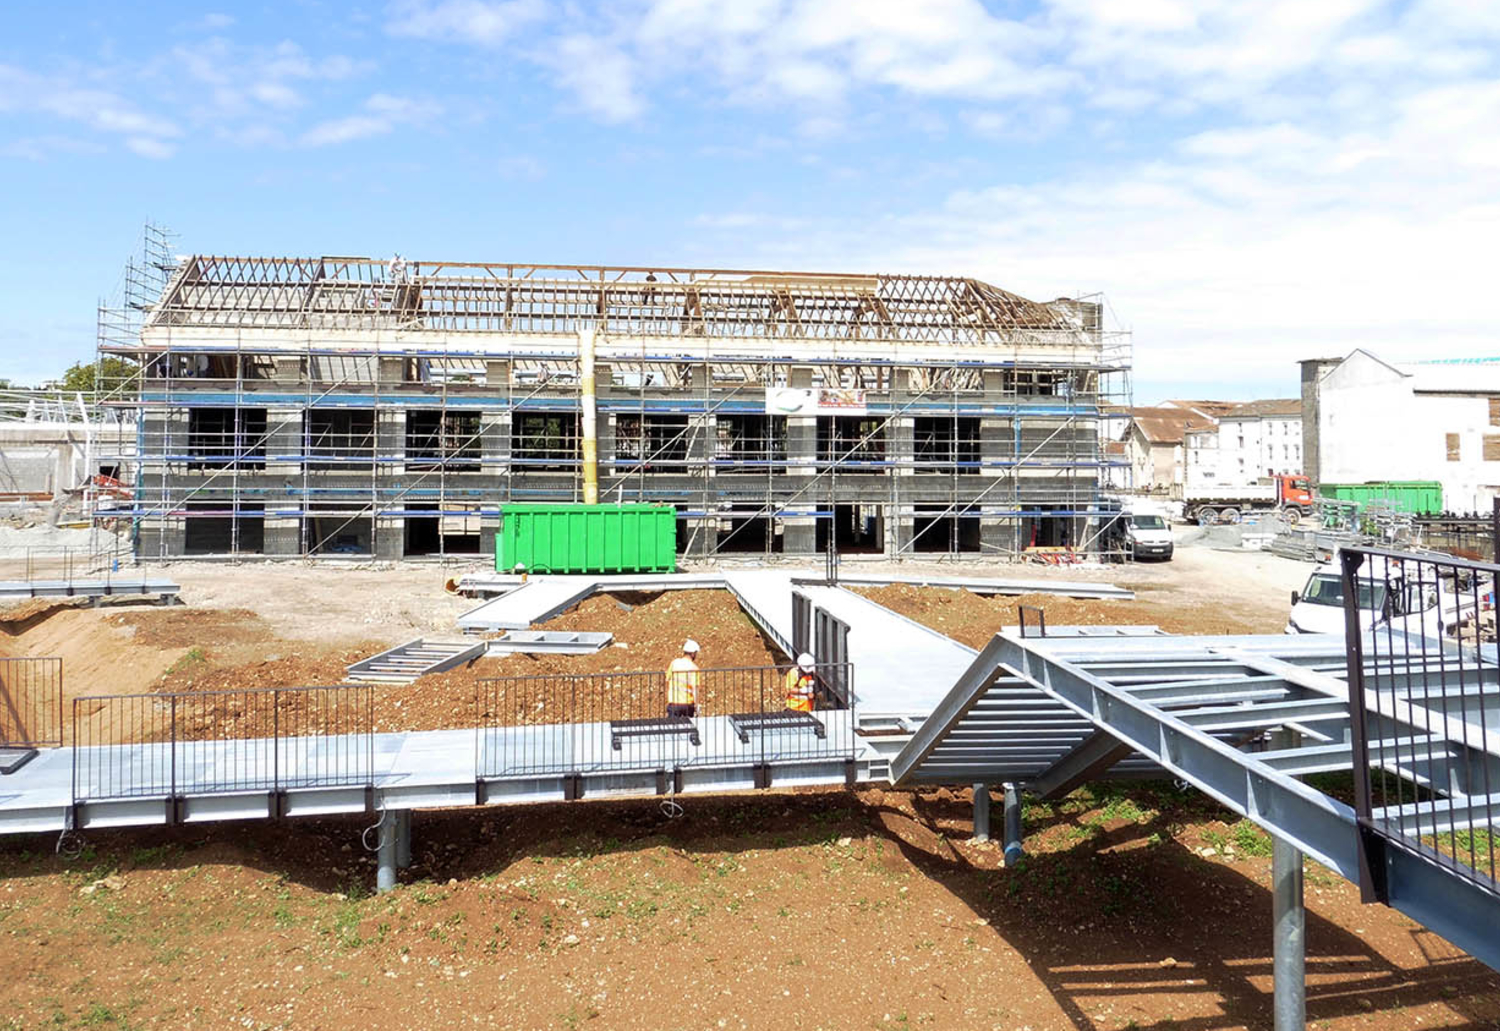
418, 769
1192, 705
766, 597
404, 663
903, 669
166, 590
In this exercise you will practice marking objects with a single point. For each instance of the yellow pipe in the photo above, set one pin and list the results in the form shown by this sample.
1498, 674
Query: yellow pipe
590, 417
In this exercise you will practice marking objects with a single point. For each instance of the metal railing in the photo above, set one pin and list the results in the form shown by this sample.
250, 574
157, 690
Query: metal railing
222, 742
69, 565
1424, 699
31, 703
1029, 617
618, 722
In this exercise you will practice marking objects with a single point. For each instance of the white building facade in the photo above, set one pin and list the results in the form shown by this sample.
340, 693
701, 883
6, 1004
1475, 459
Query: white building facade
1425, 421
1252, 441
1155, 445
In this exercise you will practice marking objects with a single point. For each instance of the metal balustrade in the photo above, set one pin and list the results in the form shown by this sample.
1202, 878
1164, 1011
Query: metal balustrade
31, 703
607, 722
1424, 695
222, 742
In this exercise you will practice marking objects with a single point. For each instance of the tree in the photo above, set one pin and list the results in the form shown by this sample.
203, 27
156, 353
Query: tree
108, 374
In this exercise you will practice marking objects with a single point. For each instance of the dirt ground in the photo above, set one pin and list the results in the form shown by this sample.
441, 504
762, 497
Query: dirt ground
804, 910
1137, 907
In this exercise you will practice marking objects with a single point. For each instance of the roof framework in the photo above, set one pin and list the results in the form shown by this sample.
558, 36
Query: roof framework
333, 293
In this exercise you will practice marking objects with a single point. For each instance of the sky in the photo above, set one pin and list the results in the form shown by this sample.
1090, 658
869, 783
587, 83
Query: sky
1247, 183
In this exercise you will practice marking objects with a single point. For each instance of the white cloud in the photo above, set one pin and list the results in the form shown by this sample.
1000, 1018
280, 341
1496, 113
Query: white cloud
601, 76
1238, 254
40, 148
464, 21
275, 94
346, 130
382, 114
819, 50
150, 147
249, 81
102, 110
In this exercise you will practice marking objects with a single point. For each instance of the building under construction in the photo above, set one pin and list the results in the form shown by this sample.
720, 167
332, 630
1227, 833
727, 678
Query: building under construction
340, 405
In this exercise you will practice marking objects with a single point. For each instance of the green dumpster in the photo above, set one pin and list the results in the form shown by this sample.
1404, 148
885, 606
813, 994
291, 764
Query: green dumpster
1420, 497
587, 538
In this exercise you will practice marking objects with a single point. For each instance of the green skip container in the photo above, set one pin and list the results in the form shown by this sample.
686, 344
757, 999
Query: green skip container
1421, 497
587, 539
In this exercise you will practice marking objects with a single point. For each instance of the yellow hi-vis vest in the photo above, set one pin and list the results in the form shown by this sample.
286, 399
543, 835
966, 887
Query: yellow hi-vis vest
682, 681
799, 690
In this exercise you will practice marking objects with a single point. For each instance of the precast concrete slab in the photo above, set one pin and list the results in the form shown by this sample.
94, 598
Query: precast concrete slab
495, 583
992, 585
502, 583
562, 642
535, 601
1075, 630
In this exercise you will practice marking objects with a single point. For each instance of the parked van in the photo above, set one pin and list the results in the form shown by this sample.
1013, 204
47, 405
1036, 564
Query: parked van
1147, 532
1432, 608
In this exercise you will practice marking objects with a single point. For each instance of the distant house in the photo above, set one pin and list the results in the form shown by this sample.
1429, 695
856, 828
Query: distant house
1211, 410
1372, 420
1155, 446
1251, 440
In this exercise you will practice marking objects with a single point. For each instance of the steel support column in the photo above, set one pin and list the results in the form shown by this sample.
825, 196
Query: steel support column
1013, 832
403, 838
385, 870
1289, 919
981, 812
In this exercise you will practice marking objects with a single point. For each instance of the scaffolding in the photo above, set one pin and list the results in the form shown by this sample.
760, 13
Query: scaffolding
350, 406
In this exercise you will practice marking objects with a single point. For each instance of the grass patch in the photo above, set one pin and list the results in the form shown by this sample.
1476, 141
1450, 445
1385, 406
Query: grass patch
192, 659
1250, 840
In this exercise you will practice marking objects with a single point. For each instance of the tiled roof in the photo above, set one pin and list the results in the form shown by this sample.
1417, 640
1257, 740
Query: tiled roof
1166, 425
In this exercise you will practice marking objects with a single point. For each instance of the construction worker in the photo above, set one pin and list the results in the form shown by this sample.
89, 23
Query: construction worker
682, 682
802, 684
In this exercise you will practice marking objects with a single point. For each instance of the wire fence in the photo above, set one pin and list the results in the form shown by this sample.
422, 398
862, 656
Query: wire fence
1424, 694
222, 742
31, 703
590, 723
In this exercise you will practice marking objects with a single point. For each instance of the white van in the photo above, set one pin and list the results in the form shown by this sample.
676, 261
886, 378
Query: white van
1430, 608
1147, 532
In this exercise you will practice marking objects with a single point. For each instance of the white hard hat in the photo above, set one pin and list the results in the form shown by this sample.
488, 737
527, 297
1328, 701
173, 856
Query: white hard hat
806, 662
690, 645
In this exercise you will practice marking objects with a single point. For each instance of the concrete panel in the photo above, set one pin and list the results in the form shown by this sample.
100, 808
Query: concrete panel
800, 536
283, 537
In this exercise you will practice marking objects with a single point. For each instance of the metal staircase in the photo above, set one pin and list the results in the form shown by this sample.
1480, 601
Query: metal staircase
405, 663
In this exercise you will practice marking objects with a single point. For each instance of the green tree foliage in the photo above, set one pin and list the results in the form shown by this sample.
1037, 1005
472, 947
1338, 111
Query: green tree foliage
108, 374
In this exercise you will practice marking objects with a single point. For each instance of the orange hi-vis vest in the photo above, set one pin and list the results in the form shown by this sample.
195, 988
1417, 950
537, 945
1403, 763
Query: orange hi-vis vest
682, 681
799, 690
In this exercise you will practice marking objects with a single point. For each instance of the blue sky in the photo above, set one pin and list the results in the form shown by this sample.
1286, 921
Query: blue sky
1249, 183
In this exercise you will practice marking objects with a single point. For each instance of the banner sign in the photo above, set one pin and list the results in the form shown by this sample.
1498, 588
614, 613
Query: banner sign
815, 401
